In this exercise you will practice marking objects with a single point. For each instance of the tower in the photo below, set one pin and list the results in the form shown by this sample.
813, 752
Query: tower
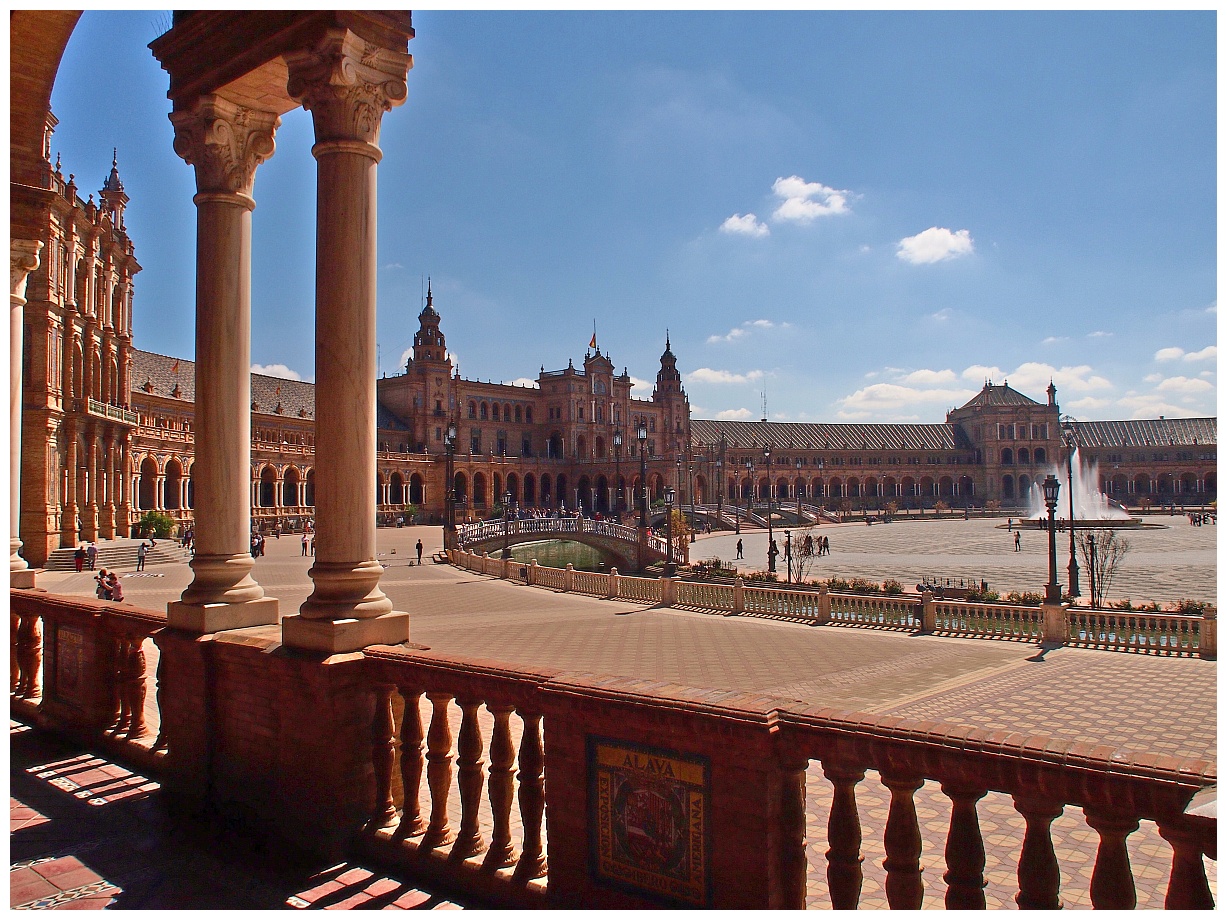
671, 397
428, 342
112, 194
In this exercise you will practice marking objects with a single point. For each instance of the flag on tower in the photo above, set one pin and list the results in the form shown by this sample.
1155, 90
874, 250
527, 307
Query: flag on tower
174, 368
592, 344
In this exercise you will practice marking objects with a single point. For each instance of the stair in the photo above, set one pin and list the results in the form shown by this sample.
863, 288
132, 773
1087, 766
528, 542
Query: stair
120, 554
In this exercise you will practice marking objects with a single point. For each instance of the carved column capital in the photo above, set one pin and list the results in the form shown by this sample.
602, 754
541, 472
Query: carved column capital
225, 142
23, 259
347, 84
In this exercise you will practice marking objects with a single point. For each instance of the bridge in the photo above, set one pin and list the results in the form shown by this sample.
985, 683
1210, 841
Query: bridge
623, 545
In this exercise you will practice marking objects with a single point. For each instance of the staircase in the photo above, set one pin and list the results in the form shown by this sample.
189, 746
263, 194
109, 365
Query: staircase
119, 554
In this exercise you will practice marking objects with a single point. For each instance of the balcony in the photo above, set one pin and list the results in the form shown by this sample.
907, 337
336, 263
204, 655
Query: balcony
115, 413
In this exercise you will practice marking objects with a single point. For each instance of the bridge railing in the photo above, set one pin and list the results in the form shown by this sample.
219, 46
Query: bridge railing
1152, 633
552, 528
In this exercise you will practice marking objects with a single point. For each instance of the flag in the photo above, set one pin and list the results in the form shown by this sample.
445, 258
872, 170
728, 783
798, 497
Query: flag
592, 344
278, 391
174, 368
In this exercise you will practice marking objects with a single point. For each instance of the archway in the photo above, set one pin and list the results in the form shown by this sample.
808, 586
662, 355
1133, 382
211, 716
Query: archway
583, 494
460, 489
1007, 487
601, 495
146, 490
530, 489
560, 491
289, 488
396, 489
479, 488
415, 489
268, 487
513, 486
172, 485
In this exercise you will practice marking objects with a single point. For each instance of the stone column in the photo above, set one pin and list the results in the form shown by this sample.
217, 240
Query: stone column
347, 85
23, 259
89, 514
225, 143
106, 481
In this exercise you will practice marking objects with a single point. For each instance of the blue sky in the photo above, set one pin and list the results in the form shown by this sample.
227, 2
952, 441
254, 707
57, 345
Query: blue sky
861, 215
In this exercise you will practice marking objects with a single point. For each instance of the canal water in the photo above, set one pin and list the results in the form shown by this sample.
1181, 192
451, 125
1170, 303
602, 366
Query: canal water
557, 553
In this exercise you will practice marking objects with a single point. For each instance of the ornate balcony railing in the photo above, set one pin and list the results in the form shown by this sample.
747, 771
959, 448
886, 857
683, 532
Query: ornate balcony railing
117, 413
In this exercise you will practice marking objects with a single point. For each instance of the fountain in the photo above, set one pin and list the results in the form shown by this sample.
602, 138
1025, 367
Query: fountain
1090, 505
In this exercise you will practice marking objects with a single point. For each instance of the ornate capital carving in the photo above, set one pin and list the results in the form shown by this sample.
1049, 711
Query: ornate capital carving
23, 259
347, 84
224, 142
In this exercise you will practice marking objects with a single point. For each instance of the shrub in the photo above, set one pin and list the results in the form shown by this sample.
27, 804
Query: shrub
761, 576
890, 586
1025, 599
157, 524
984, 597
1189, 606
863, 586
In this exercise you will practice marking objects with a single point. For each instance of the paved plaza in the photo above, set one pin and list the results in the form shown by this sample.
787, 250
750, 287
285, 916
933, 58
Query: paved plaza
1134, 702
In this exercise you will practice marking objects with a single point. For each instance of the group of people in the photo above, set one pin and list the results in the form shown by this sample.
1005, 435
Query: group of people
86, 555
812, 547
109, 588
1196, 519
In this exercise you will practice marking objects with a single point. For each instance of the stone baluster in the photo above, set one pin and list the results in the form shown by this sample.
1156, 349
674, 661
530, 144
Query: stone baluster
793, 866
29, 656
964, 850
118, 686
133, 687
904, 887
225, 143
14, 660
469, 840
502, 788
346, 83
23, 259
1112, 885
160, 742
1039, 875
844, 858
1187, 888
438, 772
383, 758
532, 798
411, 763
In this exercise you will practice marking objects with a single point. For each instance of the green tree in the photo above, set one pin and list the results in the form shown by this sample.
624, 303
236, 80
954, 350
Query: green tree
156, 524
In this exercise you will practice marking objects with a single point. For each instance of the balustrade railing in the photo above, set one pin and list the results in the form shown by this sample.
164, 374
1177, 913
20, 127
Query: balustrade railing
799, 605
990, 620
590, 583
875, 610
641, 590
83, 664
704, 595
550, 578
118, 413
1156, 633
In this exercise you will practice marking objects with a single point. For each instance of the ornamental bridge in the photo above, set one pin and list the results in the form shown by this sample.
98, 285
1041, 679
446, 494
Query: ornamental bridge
621, 545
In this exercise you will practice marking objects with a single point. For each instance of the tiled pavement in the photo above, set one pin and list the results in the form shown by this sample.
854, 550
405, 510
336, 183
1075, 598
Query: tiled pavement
87, 833
1134, 701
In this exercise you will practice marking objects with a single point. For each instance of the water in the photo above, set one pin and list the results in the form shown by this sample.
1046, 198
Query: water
1089, 503
557, 553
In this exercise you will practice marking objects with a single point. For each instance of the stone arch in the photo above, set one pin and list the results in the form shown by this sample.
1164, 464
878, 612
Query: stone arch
1142, 484
546, 498
1024, 456
1041, 456
600, 495
172, 484
147, 487
460, 488
396, 489
945, 487
479, 488
560, 491
1007, 486
1007, 457
513, 486
583, 493
581, 448
928, 486
530, 489
485, 410
1188, 483
308, 496
290, 491
267, 490
553, 447
1024, 487
854, 487
700, 490
415, 490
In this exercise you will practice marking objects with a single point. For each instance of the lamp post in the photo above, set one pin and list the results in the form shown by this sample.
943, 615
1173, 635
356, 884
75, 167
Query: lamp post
748, 498
800, 491
670, 566
788, 554
641, 433
1071, 445
690, 493
680, 493
1052, 488
450, 446
617, 439
770, 532
506, 517
720, 482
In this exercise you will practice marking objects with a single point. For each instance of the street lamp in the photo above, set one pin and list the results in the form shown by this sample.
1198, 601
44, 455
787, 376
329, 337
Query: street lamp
748, 498
1052, 488
1070, 437
788, 555
450, 446
680, 493
690, 494
720, 483
506, 515
670, 567
770, 532
800, 491
618, 474
641, 433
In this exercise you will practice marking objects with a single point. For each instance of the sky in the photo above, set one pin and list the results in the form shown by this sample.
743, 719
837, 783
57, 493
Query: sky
838, 216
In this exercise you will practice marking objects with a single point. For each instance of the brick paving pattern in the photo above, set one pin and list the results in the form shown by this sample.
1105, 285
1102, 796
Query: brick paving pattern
1133, 701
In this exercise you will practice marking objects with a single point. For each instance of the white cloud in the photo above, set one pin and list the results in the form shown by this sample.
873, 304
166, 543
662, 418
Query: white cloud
942, 315
1033, 377
935, 245
643, 386
745, 225
762, 323
891, 397
405, 356
276, 370
1174, 353
1184, 385
708, 375
1089, 403
739, 415
1098, 334
1055, 339
738, 332
1152, 405
1152, 378
803, 201
928, 378
524, 382
392, 265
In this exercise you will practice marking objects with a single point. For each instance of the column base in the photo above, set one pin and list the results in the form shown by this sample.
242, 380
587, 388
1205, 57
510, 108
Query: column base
346, 635
211, 618
22, 578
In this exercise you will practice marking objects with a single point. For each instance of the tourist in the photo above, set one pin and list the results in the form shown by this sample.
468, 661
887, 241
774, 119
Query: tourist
739, 550
78, 558
116, 590
1009, 525
419, 549
141, 552
304, 543
1017, 541
103, 590
91, 555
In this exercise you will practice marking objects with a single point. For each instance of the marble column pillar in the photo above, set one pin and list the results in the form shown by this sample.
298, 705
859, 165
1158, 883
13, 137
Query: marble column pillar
347, 85
106, 494
23, 259
225, 143
89, 514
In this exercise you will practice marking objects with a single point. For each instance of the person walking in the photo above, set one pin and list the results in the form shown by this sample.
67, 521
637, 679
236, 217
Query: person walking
1017, 541
304, 543
91, 555
739, 550
141, 552
78, 558
419, 549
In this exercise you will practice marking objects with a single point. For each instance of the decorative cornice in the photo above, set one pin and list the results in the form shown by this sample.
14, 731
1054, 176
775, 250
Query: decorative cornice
23, 259
224, 142
347, 84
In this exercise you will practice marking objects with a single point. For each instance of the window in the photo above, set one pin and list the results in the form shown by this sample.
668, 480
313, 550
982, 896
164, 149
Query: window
475, 443
472, 410
528, 414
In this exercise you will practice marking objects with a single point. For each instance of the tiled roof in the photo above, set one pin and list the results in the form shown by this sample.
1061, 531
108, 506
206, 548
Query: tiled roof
999, 395
159, 375
1150, 432
808, 436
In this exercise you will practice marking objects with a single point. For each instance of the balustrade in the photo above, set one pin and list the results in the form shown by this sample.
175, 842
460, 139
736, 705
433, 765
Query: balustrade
1156, 633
